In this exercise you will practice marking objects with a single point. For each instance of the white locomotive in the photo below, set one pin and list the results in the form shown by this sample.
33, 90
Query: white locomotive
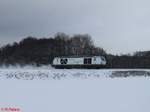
79, 62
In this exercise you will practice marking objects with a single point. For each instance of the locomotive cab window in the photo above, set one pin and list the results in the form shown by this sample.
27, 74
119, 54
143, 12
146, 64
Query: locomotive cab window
87, 60
63, 61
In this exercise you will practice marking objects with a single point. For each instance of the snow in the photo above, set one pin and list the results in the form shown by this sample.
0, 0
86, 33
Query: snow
73, 91
45, 74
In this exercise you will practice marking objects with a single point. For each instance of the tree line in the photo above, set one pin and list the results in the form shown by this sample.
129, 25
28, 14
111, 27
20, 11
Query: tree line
140, 59
32, 50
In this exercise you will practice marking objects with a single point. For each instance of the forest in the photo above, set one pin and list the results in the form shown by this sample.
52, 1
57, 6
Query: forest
41, 51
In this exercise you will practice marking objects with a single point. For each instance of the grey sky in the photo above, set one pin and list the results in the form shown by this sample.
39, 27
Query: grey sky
119, 26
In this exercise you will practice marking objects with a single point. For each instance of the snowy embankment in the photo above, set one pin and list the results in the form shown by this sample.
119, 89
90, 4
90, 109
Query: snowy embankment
30, 73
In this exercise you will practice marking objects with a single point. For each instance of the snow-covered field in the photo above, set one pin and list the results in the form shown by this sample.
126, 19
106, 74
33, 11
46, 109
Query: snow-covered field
51, 90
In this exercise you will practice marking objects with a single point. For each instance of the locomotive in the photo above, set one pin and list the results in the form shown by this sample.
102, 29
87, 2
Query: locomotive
90, 62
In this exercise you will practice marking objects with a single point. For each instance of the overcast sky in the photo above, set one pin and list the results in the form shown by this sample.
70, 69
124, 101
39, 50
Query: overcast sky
119, 26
